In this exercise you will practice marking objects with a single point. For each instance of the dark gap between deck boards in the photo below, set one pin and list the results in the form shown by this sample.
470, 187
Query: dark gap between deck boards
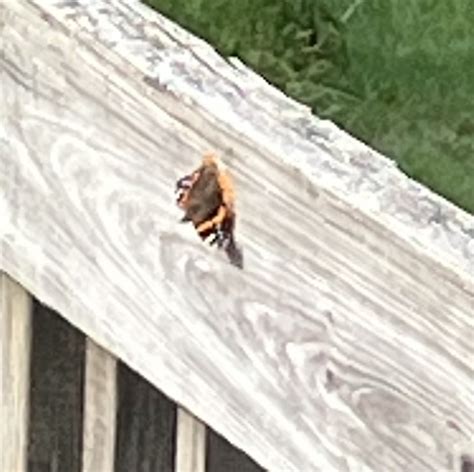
56, 393
146, 418
221, 456
146, 426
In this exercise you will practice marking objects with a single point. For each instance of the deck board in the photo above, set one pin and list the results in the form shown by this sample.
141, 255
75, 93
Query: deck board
15, 347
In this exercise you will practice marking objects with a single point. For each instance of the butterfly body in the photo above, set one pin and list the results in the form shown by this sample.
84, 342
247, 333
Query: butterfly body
207, 198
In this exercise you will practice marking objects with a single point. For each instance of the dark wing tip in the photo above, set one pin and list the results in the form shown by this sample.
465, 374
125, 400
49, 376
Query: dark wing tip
235, 255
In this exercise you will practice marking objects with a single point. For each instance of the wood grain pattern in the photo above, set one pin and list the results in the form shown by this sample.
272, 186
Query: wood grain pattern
190, 443
15, 343
346, 344
100, 410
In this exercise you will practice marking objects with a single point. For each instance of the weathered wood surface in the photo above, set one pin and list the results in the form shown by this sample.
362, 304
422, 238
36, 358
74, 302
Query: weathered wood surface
15, 344
100, 410
346, 343
190, 443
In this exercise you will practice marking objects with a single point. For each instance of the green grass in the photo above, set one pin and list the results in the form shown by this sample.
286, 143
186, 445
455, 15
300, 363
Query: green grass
397, 74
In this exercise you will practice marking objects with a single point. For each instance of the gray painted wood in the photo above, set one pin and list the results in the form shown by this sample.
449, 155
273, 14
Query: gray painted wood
56, 395
100, 410
345, 344
15, 342
190, 443
146, 426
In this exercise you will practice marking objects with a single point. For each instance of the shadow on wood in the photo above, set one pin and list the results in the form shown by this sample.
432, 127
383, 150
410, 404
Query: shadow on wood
146, 426
57, 374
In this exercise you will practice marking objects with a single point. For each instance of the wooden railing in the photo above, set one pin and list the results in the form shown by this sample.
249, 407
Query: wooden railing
344, 344
61, 410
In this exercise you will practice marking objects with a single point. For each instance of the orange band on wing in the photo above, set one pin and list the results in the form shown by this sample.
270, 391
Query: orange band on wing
209, 159
218, 219
225, 182
227, 187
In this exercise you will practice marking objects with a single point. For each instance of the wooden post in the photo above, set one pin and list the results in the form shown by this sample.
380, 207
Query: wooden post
15, 341
100, 402
190, 443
